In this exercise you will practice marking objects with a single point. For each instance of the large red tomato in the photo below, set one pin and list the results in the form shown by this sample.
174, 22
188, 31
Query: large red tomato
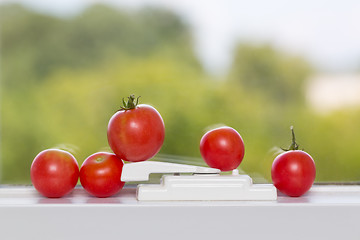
136, 132
293, 171
54, 173
100, 174
222, 148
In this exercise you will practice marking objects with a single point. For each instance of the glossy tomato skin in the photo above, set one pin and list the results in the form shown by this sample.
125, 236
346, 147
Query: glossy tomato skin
54, 173
293, 172
222, 148
136, 134
100, 174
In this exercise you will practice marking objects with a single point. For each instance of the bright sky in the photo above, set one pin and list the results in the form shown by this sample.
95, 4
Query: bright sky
325, 32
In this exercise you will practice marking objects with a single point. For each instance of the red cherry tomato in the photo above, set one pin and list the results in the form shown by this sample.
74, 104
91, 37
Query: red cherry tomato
293, 172
54, 173
136, 133
222, 148
100, 174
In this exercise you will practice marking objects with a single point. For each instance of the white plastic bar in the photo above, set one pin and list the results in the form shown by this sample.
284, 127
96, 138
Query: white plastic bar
140, 171
206, 187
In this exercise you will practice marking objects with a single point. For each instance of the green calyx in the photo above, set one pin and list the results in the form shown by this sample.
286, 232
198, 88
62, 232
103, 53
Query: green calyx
131, 103
294, 145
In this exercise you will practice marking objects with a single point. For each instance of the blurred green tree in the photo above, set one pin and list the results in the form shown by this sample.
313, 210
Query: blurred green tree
276, 75
34, 45
38, 110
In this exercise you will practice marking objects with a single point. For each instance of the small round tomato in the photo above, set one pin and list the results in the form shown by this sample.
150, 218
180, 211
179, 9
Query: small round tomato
100, 174
54, 173
136, 132
222, 148
293, 171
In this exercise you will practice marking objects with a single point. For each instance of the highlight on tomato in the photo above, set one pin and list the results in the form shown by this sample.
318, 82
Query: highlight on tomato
54, 173
293, 172
136, 132
222, 148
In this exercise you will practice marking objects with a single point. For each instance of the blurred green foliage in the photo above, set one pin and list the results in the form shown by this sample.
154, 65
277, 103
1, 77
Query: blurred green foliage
277, 75
62, 79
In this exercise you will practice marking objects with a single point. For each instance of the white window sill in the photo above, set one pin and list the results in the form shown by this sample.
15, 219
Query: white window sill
325, 212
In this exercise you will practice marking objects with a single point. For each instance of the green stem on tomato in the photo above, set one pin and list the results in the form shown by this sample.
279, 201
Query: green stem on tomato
294, 145
131, 103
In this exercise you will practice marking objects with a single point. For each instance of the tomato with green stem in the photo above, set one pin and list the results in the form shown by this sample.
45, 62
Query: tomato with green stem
136, 132
293, 172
